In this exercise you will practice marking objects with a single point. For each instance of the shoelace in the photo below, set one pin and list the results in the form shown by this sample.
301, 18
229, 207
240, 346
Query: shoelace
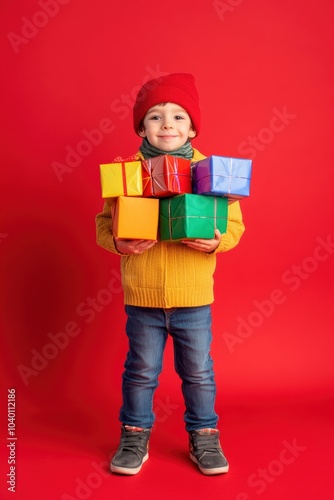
133, 441
206, 442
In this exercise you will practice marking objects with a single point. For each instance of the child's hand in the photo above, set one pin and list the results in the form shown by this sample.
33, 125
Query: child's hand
130, 247
205, 245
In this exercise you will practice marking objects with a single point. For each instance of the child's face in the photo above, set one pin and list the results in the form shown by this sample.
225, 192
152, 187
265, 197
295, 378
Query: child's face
167, 126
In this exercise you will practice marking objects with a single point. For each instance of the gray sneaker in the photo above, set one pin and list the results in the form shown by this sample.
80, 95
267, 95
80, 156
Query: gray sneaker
206, 452
132, 451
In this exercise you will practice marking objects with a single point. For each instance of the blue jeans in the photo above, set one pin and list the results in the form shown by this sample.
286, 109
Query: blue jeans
147, 329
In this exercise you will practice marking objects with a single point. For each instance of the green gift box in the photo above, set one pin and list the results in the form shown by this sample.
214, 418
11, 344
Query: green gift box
190, 216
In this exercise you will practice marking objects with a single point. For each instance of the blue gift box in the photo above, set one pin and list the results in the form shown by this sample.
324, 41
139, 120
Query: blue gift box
222, 176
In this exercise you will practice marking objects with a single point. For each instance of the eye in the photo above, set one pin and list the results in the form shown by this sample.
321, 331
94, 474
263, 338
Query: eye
179, 117
154, 117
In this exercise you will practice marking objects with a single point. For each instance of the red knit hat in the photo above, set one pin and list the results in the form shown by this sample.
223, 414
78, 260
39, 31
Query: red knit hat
178, 88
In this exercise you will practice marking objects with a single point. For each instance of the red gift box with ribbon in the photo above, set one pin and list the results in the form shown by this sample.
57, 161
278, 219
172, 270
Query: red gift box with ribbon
165, 176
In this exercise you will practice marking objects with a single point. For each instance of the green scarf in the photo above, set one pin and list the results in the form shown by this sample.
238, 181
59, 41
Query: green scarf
149, 151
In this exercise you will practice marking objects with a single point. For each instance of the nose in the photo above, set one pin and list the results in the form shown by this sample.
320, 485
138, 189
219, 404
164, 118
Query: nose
167, 123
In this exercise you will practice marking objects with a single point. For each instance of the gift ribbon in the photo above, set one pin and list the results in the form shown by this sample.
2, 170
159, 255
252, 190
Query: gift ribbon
170, 219
147, 180
165, 182
230, 185
233, 176
173, 170
215, 213
124, 179
173, 184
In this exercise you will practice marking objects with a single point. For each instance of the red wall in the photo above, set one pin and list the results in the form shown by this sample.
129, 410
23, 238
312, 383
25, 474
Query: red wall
264, 74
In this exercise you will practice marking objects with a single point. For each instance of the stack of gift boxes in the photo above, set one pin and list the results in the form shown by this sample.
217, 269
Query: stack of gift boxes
173, 199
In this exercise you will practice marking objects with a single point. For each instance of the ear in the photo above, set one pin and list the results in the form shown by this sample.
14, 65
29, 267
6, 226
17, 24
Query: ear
142, 132
192, 133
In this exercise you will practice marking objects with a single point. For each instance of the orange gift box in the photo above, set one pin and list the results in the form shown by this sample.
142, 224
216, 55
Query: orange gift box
136, 218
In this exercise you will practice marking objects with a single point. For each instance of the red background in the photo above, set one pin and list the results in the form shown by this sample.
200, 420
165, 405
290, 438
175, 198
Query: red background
79, 70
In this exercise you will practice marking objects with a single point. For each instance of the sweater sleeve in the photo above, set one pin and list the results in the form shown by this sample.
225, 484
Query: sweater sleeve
104, 237
235, 228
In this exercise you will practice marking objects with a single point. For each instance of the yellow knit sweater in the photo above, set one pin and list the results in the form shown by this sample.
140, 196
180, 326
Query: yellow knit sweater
170, 274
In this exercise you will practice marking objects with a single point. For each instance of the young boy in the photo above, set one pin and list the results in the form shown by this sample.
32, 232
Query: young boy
168, 289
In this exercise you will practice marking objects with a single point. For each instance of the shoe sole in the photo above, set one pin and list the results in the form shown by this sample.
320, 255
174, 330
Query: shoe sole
210, 472
126, 470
